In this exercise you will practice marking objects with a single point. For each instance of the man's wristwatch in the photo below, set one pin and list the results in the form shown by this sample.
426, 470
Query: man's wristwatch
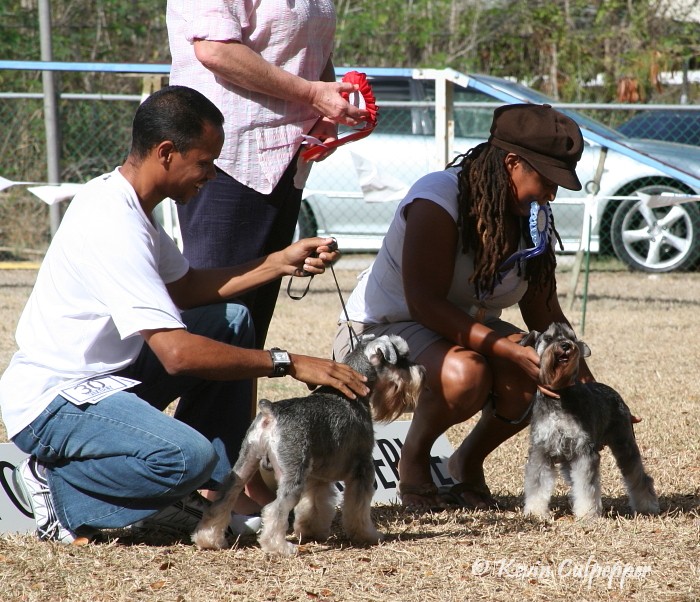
281, 362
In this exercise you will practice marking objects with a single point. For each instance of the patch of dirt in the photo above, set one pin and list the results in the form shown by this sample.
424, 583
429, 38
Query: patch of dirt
643, 332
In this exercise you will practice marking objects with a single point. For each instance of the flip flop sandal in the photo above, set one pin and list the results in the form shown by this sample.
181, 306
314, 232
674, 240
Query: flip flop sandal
427, 492
452, 494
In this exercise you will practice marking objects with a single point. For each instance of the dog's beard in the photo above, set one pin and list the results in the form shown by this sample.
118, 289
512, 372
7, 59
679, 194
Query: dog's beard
396, 393
559, 368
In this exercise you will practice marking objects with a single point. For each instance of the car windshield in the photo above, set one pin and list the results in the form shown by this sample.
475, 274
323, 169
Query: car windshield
527, 94
403, 109
673, 126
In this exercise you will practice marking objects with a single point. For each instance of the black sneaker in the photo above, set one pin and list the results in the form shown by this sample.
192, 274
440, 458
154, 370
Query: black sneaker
183, 516
31, 483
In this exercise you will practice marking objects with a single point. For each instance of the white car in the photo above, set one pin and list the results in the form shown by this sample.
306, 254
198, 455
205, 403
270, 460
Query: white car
352, 195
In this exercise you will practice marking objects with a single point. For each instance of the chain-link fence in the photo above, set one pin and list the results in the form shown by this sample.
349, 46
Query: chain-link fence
94, 138
353, 194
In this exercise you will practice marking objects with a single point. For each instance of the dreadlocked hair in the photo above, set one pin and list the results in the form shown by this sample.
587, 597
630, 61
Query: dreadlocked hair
484, 191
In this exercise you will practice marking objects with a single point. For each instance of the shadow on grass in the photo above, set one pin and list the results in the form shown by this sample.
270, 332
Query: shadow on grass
398, 525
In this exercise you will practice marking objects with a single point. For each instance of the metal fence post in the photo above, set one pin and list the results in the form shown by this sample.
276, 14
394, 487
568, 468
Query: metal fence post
593, 187
444, 120
51, 122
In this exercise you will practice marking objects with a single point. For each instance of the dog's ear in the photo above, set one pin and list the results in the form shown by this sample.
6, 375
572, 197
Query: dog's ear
583, 348
529, 339
381, 351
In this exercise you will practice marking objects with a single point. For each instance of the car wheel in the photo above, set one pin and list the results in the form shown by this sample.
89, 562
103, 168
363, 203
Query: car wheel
306, 223
660, 239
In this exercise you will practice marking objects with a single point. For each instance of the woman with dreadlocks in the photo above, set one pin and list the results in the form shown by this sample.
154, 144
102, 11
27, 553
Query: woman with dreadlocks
465, 243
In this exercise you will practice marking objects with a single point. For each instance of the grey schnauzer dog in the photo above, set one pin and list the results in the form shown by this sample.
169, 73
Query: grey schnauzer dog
571, 422
314, 441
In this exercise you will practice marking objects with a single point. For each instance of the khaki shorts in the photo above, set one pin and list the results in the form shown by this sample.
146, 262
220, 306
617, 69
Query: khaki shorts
418, 337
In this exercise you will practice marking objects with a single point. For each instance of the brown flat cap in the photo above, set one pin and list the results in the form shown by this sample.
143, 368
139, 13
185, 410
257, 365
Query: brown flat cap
548, 140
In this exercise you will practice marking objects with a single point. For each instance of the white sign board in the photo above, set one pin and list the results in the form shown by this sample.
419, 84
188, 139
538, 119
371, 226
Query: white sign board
389, 440
15, 517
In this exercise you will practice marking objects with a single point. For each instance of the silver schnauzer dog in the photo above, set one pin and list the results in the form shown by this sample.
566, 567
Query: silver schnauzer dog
314, 441
571, 422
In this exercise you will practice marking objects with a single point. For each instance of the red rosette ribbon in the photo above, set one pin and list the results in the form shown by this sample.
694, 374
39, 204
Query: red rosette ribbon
362, 98
364, 95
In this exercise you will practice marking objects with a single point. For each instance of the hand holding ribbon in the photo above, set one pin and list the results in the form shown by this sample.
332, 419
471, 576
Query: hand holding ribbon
362, 98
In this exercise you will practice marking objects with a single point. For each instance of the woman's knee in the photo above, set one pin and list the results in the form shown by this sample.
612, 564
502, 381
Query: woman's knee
466, 380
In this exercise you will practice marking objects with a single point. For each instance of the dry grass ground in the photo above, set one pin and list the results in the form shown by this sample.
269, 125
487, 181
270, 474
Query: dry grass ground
643, 331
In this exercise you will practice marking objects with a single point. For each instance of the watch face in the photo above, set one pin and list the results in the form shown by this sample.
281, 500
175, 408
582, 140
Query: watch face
280, 356
281, 362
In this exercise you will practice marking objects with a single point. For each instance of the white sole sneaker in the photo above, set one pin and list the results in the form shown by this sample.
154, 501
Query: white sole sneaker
242, 524
34, 487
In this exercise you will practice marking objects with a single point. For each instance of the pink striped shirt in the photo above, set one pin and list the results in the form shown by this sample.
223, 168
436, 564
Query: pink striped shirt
262, 132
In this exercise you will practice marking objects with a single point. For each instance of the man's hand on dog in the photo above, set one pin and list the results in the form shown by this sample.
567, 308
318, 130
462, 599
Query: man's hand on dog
315, 371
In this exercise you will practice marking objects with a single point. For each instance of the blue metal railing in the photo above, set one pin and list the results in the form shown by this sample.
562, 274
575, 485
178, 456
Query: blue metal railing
96, 67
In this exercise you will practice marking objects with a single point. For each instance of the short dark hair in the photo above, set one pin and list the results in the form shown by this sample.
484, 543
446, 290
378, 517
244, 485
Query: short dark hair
175, 113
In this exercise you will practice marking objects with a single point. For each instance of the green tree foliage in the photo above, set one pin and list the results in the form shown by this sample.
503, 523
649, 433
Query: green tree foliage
554, 45
105, 31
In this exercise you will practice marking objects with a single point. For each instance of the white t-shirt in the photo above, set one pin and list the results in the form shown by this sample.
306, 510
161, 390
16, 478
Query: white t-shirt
379, 297
102, 282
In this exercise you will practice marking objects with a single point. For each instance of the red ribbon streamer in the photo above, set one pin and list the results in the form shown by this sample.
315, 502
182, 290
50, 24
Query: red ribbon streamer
353, 77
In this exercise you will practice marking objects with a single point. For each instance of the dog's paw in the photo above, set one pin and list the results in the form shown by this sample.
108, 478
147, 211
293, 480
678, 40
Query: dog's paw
647, 507
209, 539
585, 513
366, 537
309, 534
588, 517
274, 540
283, 548
536, 512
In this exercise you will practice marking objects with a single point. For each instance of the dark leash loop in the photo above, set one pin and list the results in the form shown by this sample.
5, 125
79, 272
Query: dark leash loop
333, 246
353, 336
512, 421
303, 293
